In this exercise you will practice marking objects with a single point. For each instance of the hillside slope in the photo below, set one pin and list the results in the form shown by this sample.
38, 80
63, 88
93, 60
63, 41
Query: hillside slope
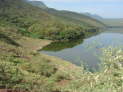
45, 23
22, 69
76, 18
69, 15
95, 16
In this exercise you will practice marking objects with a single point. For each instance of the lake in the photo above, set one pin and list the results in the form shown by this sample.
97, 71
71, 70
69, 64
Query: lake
86, 52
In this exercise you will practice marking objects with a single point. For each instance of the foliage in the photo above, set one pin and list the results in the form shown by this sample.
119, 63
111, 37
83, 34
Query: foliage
57, 31
17, 74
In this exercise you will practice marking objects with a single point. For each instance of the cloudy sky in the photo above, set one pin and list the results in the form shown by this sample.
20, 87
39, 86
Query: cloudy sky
104, 8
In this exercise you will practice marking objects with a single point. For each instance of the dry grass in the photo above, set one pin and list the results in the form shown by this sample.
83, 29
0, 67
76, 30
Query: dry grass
33, 44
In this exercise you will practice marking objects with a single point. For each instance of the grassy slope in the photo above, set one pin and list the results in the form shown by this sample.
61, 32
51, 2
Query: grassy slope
75, 17
33, 44
22, 67
32, 65
68, 16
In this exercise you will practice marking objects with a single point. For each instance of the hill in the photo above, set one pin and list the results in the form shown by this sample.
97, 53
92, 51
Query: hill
95, 16
45, 23
69, 15
76, 18
38, 4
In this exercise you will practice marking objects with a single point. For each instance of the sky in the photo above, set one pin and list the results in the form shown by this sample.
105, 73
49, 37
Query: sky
104, 8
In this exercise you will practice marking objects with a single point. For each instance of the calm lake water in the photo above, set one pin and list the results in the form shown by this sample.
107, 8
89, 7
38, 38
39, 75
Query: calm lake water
87, 51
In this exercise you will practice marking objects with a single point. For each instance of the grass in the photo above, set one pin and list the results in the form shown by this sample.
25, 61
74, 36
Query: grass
23, 68
33, 44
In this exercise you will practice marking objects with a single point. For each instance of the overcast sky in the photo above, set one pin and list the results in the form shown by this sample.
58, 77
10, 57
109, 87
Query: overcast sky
104, 8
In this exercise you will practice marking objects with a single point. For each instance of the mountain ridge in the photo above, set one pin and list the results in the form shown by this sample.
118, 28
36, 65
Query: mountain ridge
70, 13
95, 16
38, 4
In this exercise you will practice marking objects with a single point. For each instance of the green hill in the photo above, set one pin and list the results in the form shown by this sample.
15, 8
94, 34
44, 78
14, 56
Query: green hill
45, 23
76, 18
70, 16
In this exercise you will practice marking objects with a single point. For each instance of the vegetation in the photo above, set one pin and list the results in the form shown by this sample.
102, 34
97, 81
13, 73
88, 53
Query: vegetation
34, 21
26, 70
54, 31
22, 68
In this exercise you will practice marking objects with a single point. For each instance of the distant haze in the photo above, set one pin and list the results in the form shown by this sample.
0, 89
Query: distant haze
104, 8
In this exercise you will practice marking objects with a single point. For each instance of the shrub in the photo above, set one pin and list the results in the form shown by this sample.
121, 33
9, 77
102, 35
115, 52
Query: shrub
10, 74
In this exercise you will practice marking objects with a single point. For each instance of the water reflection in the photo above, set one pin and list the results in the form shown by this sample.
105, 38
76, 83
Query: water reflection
58, 46
87, 51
